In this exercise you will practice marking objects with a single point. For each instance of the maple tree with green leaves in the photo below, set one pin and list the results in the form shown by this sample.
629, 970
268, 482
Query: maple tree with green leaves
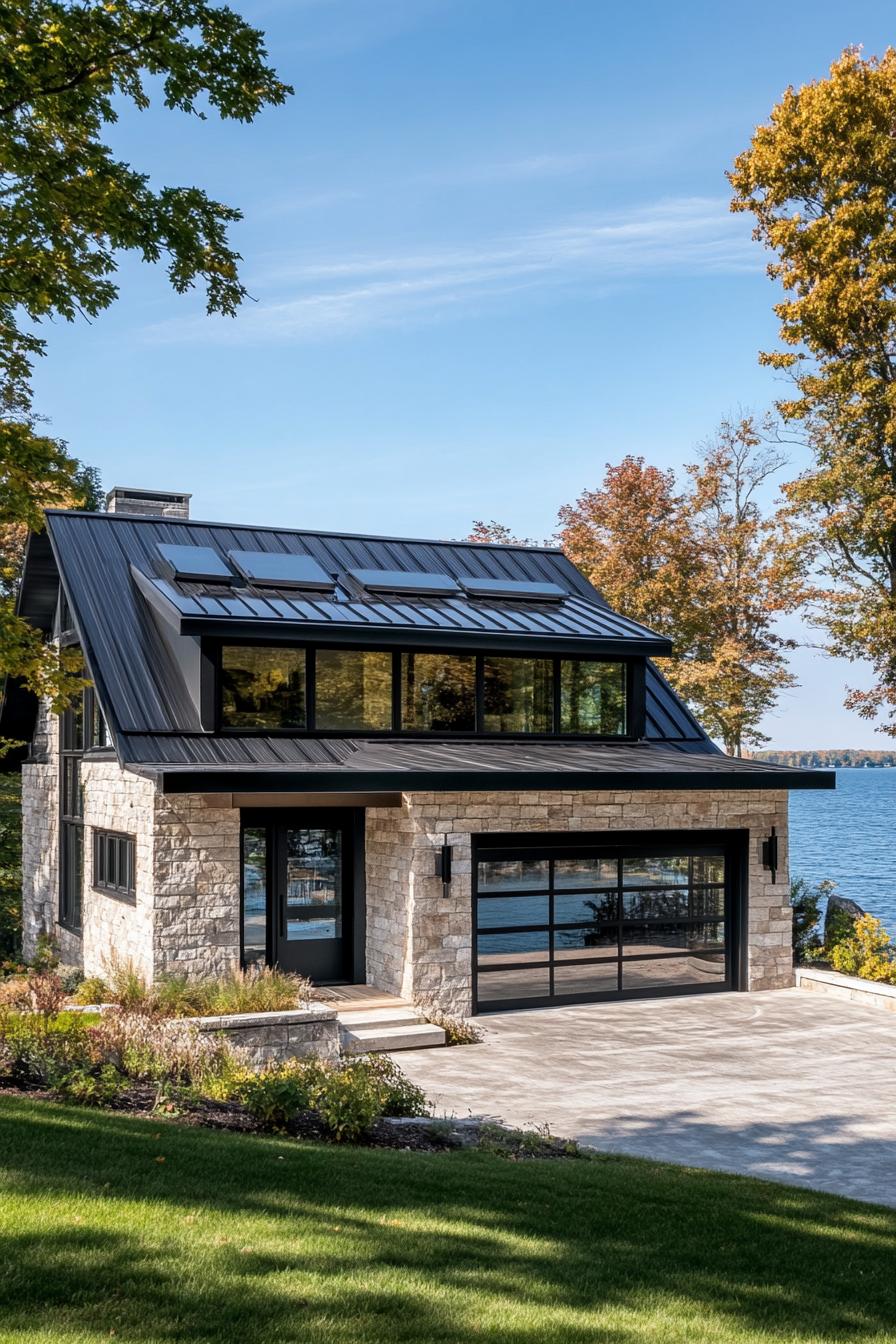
69, 208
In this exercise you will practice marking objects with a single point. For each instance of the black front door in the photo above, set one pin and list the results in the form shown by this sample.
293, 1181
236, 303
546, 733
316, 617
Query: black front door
299, 892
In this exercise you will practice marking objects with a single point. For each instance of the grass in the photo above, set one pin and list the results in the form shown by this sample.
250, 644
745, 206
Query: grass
261, 989
148, 1232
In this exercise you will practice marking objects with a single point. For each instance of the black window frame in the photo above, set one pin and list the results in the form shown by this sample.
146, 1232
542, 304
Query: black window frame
634, 693
118, 842
71, 849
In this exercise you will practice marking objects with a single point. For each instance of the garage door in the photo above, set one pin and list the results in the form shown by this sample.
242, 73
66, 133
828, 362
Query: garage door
566, 922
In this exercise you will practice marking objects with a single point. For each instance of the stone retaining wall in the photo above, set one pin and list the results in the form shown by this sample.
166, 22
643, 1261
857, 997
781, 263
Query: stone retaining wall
265, 1037
870, 992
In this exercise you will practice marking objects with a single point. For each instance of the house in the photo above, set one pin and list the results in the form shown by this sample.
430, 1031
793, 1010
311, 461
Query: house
442, 768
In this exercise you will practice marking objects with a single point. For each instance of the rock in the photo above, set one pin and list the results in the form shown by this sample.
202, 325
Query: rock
839, 917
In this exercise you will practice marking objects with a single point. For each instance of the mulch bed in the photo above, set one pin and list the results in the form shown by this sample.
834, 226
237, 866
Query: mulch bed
421, 1135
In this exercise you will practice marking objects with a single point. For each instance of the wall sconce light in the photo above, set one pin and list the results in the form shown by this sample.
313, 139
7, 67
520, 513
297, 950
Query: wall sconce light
770, 854
443, 867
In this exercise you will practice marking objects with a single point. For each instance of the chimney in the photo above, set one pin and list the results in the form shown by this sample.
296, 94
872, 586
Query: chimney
148, 503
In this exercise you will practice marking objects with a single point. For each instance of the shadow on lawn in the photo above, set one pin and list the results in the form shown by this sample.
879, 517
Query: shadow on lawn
253, 1240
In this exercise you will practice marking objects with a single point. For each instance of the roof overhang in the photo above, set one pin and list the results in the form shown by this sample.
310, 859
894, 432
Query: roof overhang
175, 780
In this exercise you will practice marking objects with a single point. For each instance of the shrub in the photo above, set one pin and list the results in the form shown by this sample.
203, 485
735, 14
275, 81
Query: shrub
805, 902
261, 989
400, 1096
275, 1095
349, 1099
128, 987
257, 990
866, 952
100, 1087
458, 1030
348, 1096
146, 1049
92, 989
39, 1050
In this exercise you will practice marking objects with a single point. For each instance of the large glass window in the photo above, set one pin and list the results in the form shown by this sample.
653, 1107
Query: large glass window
262, 687
592, 697
438, 692
517, 695
353, 690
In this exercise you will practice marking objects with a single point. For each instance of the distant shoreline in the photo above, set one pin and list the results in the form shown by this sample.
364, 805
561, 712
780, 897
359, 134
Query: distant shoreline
848, 758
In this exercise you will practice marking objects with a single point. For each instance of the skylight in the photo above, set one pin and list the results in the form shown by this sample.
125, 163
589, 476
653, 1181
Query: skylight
281, 569
514, 588
197, 564
401, 581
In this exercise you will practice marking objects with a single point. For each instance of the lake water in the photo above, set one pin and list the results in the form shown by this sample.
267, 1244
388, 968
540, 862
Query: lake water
849, 835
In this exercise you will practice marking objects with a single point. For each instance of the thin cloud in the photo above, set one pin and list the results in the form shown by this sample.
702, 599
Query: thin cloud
526, 169
332, 297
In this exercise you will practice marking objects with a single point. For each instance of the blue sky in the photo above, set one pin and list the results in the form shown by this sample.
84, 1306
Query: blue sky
489, 250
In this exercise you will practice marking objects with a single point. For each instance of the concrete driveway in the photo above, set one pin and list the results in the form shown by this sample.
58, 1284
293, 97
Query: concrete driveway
785, 1085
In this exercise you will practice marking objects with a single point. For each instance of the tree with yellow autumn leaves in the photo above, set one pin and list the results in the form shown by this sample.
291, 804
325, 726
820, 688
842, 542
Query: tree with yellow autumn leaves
820, 181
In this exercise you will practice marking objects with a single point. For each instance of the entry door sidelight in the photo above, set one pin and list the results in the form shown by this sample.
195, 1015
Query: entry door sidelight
313, 900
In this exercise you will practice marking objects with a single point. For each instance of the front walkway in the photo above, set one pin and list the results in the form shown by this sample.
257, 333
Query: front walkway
783, 1084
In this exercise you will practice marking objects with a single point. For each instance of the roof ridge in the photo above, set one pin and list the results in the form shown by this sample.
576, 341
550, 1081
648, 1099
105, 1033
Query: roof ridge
303, 531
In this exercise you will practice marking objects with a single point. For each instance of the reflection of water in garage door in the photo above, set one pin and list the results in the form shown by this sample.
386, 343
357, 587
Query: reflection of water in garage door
586, 921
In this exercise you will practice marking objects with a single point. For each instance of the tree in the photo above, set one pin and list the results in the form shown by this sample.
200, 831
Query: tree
496, 534
751, 574
69, 208
702, 565
820, 181
633, 540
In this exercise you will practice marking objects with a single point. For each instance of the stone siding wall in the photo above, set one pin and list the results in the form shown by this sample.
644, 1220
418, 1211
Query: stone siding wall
40, 839
114, 926
185, 917
419, 943
406, 907
196, 873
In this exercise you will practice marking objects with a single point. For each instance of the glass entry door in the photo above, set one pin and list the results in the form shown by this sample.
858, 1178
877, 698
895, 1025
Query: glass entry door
298, 895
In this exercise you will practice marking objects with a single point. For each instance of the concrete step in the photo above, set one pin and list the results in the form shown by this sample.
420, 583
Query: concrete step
376, 1040
393, 1016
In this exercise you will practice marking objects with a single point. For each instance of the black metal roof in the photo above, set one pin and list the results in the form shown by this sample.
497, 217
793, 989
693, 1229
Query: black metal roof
319, 765
129, 616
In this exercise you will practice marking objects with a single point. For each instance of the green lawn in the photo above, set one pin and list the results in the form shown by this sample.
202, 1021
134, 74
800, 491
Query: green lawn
144, 1231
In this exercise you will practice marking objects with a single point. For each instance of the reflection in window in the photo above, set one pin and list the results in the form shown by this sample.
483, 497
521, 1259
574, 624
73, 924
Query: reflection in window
660, 872
353, 690
255, 895
584, 873
518, 695
262, 687
502, 912
509, 947
513, 874
313, 883
592, 697
438, 692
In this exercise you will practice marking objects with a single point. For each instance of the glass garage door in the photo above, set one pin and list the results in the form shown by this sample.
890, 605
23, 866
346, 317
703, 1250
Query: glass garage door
579, 924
